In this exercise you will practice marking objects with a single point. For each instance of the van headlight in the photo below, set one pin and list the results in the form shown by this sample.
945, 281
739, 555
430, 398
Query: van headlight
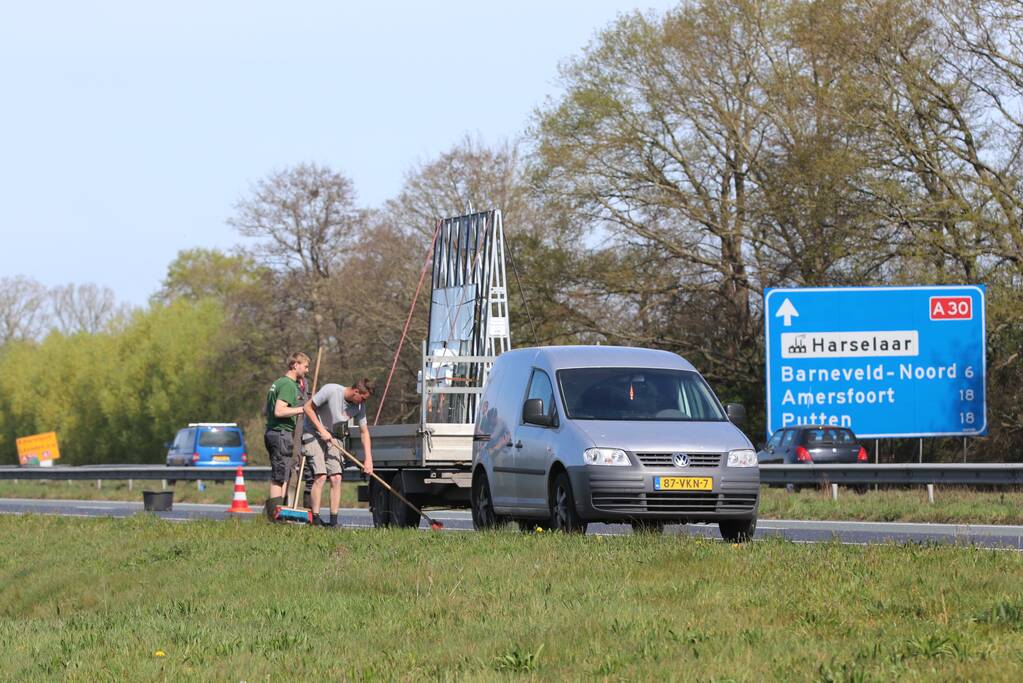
606, 456
743, 457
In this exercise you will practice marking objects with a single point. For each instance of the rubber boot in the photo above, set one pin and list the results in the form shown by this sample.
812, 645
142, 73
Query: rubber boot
271, 505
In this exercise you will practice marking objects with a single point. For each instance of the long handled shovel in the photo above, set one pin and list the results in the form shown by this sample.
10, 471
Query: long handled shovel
434, 524
294, 513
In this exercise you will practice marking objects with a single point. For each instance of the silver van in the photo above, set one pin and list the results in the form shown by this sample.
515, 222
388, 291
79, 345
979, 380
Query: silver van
567, 435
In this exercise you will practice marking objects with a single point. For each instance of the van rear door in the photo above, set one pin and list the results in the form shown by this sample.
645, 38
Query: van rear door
493, 420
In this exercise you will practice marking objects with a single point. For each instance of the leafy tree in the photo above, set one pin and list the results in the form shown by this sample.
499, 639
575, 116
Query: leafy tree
118, 396
210, 273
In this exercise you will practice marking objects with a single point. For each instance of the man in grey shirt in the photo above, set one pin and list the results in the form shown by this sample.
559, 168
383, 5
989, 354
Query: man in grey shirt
330, 408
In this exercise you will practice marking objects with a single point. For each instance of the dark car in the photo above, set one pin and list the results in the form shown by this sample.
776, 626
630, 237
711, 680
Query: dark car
812, 444
208, 444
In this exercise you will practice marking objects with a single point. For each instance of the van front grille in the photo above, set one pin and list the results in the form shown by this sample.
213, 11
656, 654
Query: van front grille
675, 502
665, 459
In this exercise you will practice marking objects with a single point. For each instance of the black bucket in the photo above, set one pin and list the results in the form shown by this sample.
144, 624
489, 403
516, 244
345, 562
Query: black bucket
157, 501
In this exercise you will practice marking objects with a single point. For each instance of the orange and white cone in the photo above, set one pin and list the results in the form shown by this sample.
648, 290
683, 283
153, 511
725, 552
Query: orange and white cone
239, 503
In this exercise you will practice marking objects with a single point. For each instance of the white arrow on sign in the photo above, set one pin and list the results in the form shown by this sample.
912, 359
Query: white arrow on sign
787, 311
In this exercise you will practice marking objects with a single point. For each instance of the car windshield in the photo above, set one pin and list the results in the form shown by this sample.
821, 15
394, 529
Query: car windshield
830, 436
220, 437
637, 394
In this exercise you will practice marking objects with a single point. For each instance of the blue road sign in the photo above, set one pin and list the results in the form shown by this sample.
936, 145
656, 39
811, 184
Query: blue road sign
883, 361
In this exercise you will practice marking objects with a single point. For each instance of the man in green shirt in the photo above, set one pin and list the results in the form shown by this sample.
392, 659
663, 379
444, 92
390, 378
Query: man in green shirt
282, 405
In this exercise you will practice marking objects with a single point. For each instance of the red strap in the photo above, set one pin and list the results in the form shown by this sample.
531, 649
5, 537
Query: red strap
408, 321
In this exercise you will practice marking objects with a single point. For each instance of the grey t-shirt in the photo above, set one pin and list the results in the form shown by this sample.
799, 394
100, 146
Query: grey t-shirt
331, 407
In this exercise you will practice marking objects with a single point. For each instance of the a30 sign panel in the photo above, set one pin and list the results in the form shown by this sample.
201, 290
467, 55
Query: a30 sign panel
883, 361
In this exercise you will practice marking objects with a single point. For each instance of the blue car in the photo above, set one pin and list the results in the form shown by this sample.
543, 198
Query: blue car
208, 444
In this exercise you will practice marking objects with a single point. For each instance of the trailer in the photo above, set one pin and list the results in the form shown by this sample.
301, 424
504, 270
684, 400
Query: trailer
430, 461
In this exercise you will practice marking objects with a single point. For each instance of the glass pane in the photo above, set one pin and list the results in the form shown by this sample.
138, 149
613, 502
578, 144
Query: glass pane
637, 394
815, 436
830, 435
181, 440
226, 439
540, 387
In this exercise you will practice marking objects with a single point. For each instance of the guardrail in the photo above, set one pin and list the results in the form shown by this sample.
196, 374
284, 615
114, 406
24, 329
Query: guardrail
981, 474
132, 472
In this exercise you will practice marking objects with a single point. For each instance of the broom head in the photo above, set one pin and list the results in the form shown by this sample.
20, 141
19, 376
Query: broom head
294, 515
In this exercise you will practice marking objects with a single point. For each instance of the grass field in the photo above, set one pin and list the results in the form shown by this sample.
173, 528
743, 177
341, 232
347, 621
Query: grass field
952, 505
142, 599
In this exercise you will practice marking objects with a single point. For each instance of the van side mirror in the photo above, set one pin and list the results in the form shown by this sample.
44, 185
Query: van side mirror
736, 413
168, 444
533, 413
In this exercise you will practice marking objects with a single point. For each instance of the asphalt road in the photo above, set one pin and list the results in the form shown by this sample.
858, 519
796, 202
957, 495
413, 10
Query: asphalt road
981, 535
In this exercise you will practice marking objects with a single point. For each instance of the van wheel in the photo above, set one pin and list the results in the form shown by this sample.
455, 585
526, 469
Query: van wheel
647, 526
379, 504
564, 516
401, 514
738, 530
483, 516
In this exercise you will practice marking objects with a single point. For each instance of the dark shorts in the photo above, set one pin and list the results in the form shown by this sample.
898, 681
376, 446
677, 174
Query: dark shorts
278, 446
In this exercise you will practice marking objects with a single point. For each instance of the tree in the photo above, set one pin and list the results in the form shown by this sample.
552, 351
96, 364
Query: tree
468, 177
722, 148
23, 309
943, 100
209, 273
540, 232
84, 308
814, 182
655, 142
380, 281
117, 396
306, 222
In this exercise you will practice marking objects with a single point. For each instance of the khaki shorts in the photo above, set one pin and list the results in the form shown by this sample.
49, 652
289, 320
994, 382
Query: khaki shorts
326, 459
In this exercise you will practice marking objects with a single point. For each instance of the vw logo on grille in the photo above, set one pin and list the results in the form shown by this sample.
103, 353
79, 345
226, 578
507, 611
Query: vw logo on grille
680, 459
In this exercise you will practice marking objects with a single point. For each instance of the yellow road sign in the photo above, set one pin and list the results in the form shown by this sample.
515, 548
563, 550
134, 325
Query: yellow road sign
38, 449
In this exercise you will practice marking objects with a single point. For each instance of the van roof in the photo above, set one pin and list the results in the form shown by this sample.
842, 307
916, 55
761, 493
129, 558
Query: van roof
560, 357
212, 424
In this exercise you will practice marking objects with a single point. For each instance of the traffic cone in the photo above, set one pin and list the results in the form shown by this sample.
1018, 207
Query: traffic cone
239, 503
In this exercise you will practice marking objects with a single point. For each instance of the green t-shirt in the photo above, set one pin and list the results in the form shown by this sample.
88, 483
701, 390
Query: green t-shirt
285, 389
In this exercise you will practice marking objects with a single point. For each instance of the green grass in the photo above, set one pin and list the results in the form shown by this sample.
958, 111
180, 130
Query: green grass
952, 505
100, 599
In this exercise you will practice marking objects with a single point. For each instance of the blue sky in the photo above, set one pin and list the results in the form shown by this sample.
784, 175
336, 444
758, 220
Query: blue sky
129, 130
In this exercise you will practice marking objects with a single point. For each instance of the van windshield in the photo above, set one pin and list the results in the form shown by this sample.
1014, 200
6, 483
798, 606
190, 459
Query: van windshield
219, 437
637, 394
